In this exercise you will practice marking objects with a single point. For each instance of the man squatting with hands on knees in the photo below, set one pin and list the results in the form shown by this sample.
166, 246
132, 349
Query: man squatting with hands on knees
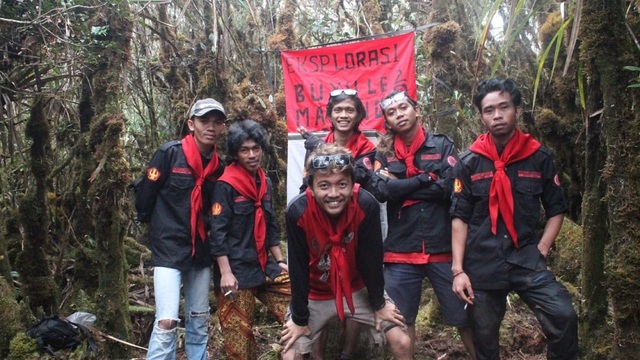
244, 230
499, 185
335, 257
346, 112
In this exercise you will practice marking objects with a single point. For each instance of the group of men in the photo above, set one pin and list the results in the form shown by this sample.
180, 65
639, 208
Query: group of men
468, 224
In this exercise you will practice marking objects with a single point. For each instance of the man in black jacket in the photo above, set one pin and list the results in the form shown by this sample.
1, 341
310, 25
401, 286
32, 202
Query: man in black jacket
244, 230
413, 173
499, 185
173, 197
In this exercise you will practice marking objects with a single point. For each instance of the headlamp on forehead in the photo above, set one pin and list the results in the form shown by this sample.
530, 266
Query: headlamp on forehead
348, 92
395, 98
322, 161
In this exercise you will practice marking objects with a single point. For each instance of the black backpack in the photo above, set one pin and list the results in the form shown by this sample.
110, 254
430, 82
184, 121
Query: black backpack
54, 333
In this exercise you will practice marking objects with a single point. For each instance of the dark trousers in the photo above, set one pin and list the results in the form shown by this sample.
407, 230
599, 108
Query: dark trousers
549, 300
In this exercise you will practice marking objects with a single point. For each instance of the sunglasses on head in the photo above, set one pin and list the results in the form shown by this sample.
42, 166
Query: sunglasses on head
348, 92
322, 161
395, 98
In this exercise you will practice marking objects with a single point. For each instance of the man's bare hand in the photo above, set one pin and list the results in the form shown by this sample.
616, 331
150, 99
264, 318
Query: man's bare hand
462, 288
389, 312
293, 332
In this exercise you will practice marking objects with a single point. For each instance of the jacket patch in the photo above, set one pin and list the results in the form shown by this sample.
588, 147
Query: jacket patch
179, 170
392, 159
153, 174
367, 162
457, 186
430, 156
451, 160
377, 165
556, 179
216, 209
529, 174
266, 197
480, 176
240, 199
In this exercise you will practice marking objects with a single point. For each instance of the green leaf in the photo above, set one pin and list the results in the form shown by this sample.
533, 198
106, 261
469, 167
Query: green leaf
632, 68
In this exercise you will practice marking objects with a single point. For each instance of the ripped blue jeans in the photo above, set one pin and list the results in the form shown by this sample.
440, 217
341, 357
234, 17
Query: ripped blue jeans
195, 283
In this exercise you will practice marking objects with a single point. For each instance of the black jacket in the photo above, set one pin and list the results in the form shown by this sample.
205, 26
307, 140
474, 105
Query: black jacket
534, 180
232, 235
427, 223
164, 199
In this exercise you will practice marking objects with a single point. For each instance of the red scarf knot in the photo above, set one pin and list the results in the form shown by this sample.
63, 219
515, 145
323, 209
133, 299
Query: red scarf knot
407, 155
244, 183
520, 147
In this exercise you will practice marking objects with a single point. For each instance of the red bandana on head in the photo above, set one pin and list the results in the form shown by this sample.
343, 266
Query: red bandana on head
520, 147
407, 154
358, 144
191, 152
316, 221
238, 177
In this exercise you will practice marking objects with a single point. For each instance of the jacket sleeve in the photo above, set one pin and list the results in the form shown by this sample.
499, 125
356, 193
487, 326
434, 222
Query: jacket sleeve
221, 219
441, 187
298, 257
273, 231
155, 177
370, 253
364, 169
385, 189
461, 198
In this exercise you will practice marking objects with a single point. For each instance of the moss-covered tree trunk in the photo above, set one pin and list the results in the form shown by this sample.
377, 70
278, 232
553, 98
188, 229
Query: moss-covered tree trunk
110, 175
32, 263
606, 48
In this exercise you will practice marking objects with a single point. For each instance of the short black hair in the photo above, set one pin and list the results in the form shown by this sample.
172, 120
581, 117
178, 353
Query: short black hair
362, 112
242, 131
497, 84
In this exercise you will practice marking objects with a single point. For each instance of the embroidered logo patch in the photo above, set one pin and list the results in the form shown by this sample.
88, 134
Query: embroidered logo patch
367, 163
153, 174
216, 209
451, 160
377, 166
457, 186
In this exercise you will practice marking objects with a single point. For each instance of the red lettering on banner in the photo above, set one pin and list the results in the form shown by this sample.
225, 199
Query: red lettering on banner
529, 174
374, 68
480, 176
431, 156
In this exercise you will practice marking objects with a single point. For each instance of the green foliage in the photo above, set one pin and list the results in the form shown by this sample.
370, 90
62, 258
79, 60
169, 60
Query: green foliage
23, 347
635, 81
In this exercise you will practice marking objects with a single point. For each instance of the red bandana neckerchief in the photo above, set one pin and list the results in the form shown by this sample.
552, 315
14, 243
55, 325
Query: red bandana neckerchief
238, 177
194, 159
520, 147
358, 144
407, 153
316, 222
